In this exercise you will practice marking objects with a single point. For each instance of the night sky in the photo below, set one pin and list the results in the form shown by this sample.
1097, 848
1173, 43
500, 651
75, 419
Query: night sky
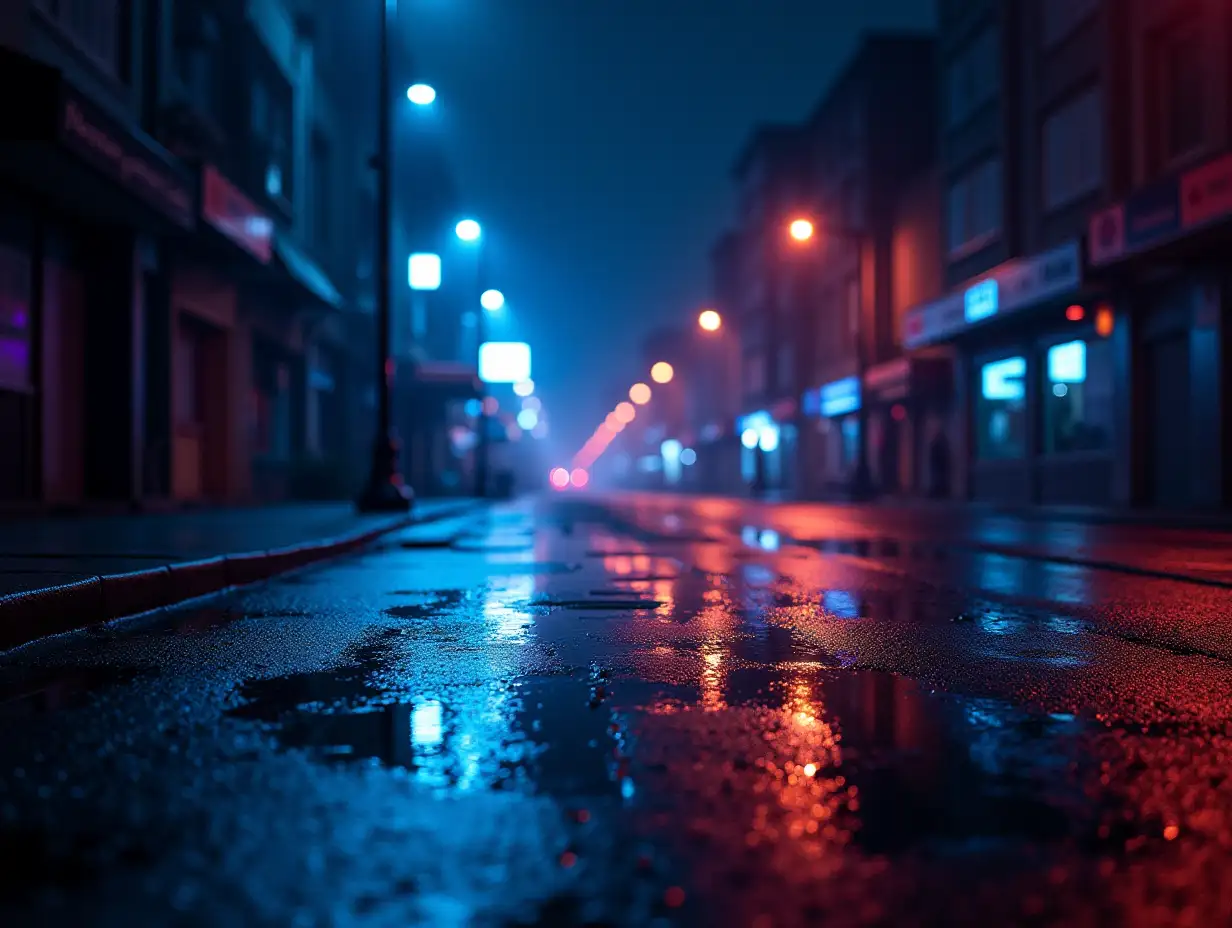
594, 139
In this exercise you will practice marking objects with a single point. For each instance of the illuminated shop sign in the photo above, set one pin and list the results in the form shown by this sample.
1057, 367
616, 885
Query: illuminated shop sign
840, 397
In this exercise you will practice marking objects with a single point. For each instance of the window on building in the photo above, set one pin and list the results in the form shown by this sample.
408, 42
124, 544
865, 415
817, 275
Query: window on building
973, 210
1073, 144
973, 77
1182, 91
1078, 397
198, 50
322, 191
1001, 410
95, 27
271, 125
1059, 18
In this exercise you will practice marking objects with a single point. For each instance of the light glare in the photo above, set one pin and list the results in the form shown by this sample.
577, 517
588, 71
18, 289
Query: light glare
468, 230
710, 321
640, 394
662, 373
421, 94
492, 300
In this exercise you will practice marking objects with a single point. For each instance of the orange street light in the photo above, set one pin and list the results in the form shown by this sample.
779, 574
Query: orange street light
710, 321
801, 230
640, 394
662, 373
625, 413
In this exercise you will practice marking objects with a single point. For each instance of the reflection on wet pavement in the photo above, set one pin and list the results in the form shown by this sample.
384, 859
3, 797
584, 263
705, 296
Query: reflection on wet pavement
716, 725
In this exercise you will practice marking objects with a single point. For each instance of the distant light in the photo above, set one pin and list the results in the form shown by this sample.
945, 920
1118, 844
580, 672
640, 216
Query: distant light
490, 405
801, 230
427, 724
492, 300
613, 424
423, 271
768, 439
1059, 389
527, 419
1104, 321
1075, 313
525, 388
688, 457
532, 402
468, 230
579, 478
662, 373
421, 94
749, 438
504, 362
625, 413
899, 412
559, 478
710, 321
473, 408
671, 450
640, 394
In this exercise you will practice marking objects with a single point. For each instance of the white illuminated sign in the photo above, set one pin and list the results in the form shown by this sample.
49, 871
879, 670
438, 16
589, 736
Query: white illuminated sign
423, 271
504, 362
1003, 380
1067, 363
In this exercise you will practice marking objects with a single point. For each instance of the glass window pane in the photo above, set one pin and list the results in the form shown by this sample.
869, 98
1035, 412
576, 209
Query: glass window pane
1000, 410
1078, 397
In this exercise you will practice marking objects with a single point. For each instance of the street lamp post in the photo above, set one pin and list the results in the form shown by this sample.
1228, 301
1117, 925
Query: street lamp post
385, 491
802, 230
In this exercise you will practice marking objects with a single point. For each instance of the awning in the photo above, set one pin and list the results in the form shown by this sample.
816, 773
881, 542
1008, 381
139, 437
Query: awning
306, 273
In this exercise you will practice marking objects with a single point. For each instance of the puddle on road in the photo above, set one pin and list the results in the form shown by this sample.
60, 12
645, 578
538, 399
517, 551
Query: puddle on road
426, 605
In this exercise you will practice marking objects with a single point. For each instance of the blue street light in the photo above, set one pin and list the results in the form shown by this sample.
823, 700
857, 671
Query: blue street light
421, 94
468, 230
492, 300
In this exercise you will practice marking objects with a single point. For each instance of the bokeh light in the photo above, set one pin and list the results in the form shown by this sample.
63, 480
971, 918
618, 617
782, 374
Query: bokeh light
559, 478
801, 230
468, 230
710, 321
421, 94
525, 388
662, 373
580, 477
640, 394
625, 413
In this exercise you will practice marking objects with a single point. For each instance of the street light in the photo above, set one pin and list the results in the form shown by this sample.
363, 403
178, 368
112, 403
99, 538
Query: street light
468, 230
801, 230
662, 373
625, 413
385, 491
421, 94
492, 300
709, 321
640, 394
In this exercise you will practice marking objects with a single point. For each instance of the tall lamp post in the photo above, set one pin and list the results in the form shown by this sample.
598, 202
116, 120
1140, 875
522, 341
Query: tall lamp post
385, 491
801, 231
490, 301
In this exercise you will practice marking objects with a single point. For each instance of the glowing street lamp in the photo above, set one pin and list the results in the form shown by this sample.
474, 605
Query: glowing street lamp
468, 230
421, 94
709, 321
640, 394
625, 413
492, 300
662, 373
801, 230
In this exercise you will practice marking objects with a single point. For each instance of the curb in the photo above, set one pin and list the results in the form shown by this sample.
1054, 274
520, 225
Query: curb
35, 614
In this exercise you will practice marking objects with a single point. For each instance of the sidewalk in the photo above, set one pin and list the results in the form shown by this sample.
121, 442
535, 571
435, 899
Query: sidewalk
60, 573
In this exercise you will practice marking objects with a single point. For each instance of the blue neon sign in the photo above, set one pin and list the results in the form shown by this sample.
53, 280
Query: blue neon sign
981, 300
840, 397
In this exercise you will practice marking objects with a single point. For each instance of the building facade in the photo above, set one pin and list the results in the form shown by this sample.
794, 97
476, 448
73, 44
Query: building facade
181, 312
871, 137
1031, 142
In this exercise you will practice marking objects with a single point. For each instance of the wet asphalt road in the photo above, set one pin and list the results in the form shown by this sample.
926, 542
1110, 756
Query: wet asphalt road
564, 712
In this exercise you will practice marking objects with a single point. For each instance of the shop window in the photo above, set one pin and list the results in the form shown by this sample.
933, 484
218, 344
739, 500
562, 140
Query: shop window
1078, 397
1181, 90
972, 77
1000, 409
14, 320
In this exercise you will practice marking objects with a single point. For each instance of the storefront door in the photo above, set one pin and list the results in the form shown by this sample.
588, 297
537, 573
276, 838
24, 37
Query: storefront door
1169, 409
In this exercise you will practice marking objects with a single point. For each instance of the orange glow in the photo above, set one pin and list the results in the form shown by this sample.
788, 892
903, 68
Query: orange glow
579, 478
640, 394
801, 230
625, 413
710, 321
1104, 321
559, 478
1075, 313
662, 373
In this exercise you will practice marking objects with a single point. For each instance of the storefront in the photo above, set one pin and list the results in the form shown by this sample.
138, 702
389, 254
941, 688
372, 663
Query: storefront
831, 414
910, 414
87, 204
1163, 254
1036, 380
768, 449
